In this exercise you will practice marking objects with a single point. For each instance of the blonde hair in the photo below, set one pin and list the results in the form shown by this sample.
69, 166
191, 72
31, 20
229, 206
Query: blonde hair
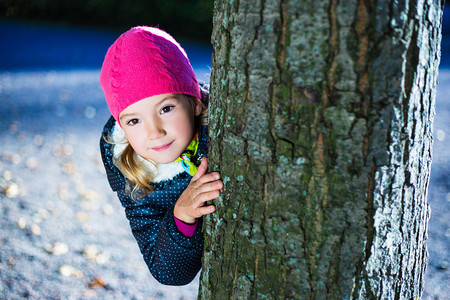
138, 178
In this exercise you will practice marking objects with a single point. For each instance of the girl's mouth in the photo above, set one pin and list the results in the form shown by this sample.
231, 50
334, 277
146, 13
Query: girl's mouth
163, 147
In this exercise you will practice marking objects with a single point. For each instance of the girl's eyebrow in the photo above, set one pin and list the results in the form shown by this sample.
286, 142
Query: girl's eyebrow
168, 97
125, 115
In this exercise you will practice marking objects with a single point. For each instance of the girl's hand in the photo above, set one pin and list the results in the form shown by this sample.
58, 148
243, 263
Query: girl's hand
203, 187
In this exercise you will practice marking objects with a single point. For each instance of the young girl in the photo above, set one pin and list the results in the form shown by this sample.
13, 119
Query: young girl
154, 147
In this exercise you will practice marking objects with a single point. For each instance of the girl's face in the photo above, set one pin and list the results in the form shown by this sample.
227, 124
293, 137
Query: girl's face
160, 127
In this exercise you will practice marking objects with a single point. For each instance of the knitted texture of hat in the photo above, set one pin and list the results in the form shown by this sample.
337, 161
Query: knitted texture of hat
145, 62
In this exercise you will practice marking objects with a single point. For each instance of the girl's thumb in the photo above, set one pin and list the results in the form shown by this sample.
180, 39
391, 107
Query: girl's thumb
201, 169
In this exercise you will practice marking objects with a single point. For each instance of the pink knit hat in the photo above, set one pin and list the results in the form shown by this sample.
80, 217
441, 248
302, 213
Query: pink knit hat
145, 62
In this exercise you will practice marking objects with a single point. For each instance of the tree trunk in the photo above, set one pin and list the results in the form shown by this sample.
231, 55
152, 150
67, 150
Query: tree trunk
320, 124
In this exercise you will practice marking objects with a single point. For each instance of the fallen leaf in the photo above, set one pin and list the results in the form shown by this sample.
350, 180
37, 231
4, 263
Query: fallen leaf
443, 265
21, 223
67, 150
102, 258
66, 270
97, 282
83, 216
90, 195
11, 190
90, 252
7, 175
69, 168
41, 215
108, 210
63, 192
35, 229
32, 163
57, 249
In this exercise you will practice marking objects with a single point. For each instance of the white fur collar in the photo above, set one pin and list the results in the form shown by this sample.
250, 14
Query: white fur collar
162, 171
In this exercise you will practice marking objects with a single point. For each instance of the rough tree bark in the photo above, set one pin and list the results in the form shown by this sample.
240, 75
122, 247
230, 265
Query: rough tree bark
320, 124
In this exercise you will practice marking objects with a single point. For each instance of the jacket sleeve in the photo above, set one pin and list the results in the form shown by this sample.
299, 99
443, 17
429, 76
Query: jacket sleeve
172, 258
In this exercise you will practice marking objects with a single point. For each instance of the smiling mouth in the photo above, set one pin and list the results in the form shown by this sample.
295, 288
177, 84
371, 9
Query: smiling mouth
163, 147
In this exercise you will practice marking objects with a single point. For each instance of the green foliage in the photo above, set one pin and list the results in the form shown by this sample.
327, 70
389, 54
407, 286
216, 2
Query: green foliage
186, 18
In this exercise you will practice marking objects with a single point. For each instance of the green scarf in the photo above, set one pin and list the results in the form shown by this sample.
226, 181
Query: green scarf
187, 157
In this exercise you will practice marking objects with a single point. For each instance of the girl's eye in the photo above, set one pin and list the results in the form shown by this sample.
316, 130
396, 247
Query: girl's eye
166, 109
133, 122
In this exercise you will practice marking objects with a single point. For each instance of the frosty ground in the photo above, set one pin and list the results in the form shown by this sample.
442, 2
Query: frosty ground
63, 233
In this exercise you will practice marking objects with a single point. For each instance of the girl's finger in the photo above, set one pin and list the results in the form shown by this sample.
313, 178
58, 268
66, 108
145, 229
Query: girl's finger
204, 197
210, 186
204, 210
210, 177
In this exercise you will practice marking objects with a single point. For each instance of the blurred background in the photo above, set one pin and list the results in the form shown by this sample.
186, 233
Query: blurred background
191, 19
63, 233
51, 34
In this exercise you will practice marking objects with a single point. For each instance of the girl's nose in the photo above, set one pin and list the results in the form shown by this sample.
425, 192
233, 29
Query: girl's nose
154, 130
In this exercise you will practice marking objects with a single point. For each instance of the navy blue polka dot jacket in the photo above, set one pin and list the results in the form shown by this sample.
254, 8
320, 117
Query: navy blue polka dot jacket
173, 258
